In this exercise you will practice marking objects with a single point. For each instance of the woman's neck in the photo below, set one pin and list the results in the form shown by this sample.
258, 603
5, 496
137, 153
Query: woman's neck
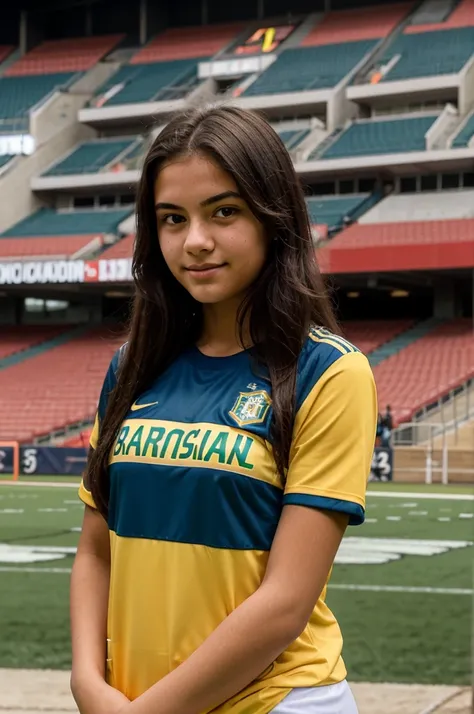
220, 336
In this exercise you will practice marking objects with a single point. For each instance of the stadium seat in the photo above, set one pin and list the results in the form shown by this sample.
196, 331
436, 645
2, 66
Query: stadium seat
386, 136
47, 222
292, 137
369, 335
309, 68
187, 42
427, 54
332, 211
148, 82
44, 246
5, 50
60, 386
20, 94
67, 55
426, 370
17, 338
5, 159
121, 249
425, 206
366, 23
92, 156
465, 135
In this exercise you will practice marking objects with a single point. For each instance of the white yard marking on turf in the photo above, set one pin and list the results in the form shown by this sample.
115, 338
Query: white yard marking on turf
52, 510
34, 570
444, 518
375, 551
402, 589
393, 518
73, 503
371, 520
408, 505
445, 510
12, 510
425, 496
77, 529
466, 515
41, 484
417, 513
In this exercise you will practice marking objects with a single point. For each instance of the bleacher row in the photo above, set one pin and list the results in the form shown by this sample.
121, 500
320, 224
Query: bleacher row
166, 68
56, 379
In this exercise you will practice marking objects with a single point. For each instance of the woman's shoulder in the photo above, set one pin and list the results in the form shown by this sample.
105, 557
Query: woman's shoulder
321, 350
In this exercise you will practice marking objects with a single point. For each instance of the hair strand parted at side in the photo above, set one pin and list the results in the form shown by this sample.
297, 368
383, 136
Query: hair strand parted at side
288, 297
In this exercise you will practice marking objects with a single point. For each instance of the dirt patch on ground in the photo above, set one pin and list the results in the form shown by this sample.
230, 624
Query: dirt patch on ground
34, 691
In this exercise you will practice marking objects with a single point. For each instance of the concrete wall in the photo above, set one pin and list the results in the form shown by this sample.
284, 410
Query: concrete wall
94, 78
439, 132
466, 90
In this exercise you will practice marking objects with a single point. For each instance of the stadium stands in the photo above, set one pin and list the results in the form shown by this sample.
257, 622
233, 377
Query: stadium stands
462, 16
465, 135
187, 42
20, 94
333, 211
47, 222
382, 136
427, 369
292, 137
121, 249
148, 82
309, 68
369, 335
17, 338
57, 387
57, 246
425, 206
366, 23
92, 156
68, 55
81, 440
426, 54
5, 50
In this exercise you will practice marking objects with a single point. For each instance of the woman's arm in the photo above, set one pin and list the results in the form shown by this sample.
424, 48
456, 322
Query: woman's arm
263, 626
89, 601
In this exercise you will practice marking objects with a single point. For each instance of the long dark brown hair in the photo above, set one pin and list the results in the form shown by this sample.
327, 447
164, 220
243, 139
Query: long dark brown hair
286, 299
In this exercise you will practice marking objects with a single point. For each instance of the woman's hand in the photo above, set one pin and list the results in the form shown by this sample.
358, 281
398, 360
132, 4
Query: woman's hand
98, 697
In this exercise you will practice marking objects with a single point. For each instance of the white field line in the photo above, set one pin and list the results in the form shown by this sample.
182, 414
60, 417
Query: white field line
428, 496
333, 586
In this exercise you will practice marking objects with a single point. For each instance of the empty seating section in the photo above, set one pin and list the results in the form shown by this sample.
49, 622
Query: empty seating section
310, 68
68, 55
16, 338
438, 205
388, 136
365, 23
5, 159
5, 50
79, 441
121, 249
57, 246
332, 211
20, 94
462, 16
58, 387
292, 137
430, 53
187, 42
465, 135
427, 369
91, 157
369, 335
47, 222
378, 235
147, 82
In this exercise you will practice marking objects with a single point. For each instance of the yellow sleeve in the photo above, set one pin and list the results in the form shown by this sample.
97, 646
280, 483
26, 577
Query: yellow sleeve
333, 440
86, 496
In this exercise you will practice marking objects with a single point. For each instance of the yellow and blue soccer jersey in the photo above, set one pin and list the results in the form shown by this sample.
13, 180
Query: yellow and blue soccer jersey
195, 501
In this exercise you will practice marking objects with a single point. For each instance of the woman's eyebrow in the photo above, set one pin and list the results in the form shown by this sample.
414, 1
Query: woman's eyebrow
207, 201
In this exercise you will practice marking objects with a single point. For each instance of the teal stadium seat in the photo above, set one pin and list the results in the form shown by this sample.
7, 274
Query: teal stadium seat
292, 137
5, 159
380, 137
151, 82
465, 135
310, 68
91, 157
19, 94
427, 54
332, 210
47, 222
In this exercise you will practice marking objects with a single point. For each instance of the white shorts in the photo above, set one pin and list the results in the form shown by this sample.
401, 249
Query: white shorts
331, 699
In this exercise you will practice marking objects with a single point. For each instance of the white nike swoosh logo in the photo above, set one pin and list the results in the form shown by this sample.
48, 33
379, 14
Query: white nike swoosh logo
136, 406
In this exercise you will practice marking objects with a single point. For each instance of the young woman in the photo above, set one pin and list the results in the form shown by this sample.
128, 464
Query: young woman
231, 448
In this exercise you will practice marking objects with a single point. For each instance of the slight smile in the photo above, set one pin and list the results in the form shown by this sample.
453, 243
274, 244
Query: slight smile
206, 270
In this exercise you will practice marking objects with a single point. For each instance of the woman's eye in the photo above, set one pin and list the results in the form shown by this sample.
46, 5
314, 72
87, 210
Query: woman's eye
172, 219
225, 212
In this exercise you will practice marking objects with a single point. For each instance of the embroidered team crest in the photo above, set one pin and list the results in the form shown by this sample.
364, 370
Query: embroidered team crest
251, 408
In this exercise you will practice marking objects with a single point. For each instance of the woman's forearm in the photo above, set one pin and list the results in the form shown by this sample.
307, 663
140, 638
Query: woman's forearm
89, 601
235, 654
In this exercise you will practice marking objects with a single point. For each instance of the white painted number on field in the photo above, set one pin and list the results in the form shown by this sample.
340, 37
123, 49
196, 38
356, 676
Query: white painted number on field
375, 551
32, 553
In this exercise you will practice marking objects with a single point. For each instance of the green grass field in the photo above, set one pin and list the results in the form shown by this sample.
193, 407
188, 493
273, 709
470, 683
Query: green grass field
402, 586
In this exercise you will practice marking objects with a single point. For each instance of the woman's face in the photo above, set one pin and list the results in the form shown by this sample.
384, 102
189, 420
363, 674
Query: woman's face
211, 241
